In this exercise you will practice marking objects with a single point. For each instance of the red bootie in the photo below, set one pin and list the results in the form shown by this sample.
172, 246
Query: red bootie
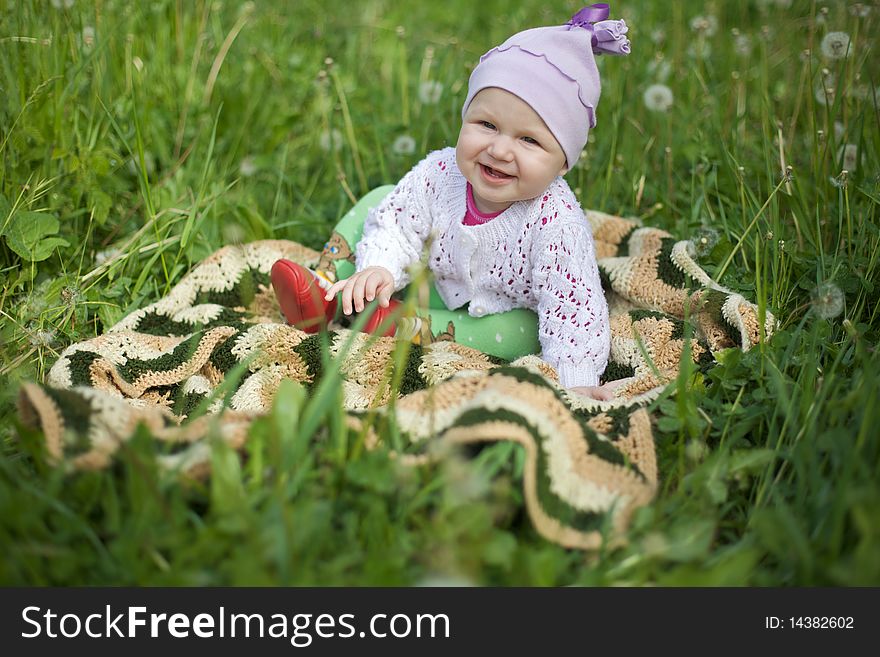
300, 297
374, 322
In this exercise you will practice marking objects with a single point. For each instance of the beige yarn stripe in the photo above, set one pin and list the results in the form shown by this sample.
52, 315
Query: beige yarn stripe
34, 403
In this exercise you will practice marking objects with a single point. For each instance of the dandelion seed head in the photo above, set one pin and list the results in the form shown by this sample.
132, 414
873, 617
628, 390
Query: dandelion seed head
742, 44
41, 339
88, 36
464, 482
860, 10
825, 87
707, 25
696, 450
828, 300
850, 157
835, 45
658, 98
134, 164
704, 240
105, 255
37, 303
232, 233
658, 36
699, 49
330, 140
659, 69
71, 294
430, 92
444, 580
404, 145
247, 167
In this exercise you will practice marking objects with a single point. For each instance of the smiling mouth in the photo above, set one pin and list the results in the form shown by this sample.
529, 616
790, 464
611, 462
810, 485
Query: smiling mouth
494, 174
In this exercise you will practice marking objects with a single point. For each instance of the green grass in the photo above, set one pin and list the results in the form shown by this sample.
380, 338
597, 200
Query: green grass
137, 138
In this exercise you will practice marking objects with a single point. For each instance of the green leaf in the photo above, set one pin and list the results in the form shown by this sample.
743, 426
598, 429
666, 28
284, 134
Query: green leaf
101, 204
28, 234
501, 549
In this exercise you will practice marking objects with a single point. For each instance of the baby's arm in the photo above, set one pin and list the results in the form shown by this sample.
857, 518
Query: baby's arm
572, 312
392, 241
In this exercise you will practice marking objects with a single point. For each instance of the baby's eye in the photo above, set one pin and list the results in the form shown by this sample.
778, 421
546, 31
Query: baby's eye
334, 249
487, 125
531, 140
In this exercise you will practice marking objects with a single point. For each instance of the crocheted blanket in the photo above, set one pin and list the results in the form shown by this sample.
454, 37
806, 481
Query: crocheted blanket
209, 357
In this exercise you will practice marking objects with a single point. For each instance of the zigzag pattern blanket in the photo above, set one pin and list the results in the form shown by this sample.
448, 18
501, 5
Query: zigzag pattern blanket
589, 464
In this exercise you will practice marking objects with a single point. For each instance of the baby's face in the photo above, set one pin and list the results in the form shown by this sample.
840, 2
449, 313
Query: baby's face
506, 151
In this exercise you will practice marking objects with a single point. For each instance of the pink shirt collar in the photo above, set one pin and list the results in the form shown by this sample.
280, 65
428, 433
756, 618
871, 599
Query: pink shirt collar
473, 217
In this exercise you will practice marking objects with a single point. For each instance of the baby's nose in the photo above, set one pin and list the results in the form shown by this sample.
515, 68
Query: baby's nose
501, 147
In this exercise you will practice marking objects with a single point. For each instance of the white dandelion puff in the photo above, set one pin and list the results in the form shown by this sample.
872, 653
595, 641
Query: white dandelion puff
699, 49
696, 450
330, 140
825, 88
658, 98
106, 255
247, 167
404, 145
860, 10
232, 233
659, 69
134, 164
430, 92
41, 339
62, 4
88, 36
707, 25
839, 130
742, 44
658, 36
835, 45
440, 580
850, 155
828, 300
704, 241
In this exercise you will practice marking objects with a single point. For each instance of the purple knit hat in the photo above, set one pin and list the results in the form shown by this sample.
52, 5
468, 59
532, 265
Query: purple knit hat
553, 69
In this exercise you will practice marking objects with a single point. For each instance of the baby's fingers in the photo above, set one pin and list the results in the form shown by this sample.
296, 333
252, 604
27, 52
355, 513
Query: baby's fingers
334, 289
384, 293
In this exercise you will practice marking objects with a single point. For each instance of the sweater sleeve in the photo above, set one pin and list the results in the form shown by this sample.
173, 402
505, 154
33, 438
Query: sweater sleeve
395, 232
573, 325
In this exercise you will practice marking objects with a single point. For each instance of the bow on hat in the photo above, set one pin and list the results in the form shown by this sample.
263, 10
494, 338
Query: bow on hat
608, 35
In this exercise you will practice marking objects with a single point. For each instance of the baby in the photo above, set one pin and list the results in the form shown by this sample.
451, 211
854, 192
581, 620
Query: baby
505, 229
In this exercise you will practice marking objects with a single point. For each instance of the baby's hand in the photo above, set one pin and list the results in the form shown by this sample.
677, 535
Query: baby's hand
604, 392
361, 288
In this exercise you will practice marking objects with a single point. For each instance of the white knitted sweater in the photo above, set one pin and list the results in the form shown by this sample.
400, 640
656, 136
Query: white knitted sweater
537, 254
